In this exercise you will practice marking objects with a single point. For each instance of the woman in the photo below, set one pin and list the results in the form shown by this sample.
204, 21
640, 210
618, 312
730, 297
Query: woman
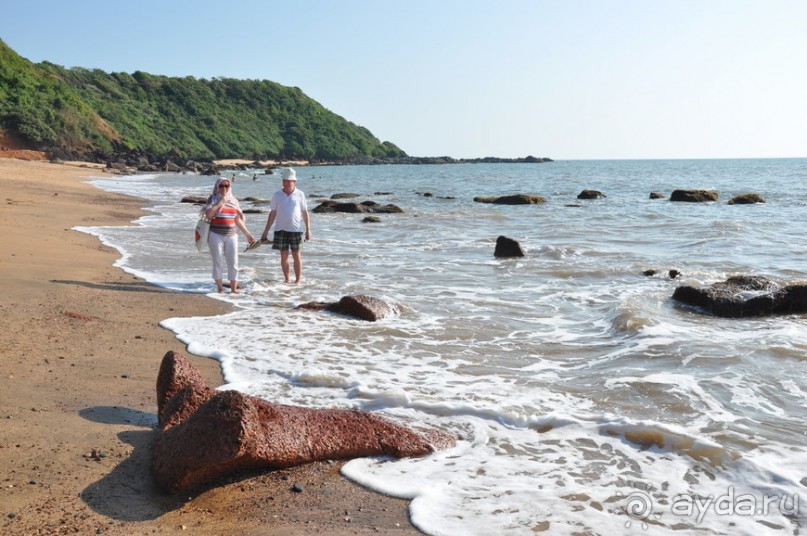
226, 217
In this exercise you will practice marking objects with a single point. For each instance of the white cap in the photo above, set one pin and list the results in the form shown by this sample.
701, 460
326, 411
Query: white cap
288, 174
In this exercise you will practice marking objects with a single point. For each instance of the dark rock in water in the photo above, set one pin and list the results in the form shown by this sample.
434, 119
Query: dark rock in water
195, 199
517, 199
222, 433
672, 274
364, 307
507, 247
371, 219
382, 209
694, 196
344, 196
590, 194
656, 195
365, 207
358, 306
746, 199
744, 296
348, 208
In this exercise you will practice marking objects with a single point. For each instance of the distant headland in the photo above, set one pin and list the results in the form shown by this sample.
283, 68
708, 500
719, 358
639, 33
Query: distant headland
157, 123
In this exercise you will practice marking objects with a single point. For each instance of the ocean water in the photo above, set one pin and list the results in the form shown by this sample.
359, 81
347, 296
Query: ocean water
585, 400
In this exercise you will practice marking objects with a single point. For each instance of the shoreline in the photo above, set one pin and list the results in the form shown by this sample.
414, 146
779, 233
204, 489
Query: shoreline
83, 347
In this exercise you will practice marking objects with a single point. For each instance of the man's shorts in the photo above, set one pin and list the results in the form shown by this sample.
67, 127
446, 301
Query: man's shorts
287, 240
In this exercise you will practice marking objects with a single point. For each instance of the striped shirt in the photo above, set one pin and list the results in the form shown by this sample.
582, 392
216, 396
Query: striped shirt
224, 222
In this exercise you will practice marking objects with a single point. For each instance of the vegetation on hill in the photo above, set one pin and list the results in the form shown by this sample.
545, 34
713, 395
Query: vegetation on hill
91, 113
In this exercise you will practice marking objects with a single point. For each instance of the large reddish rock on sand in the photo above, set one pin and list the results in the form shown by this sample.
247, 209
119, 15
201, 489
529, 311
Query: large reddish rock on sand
207, 434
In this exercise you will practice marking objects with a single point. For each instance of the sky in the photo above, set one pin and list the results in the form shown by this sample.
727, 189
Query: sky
565, 79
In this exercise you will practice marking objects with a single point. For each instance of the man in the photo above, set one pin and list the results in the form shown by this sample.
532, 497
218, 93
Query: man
289, 211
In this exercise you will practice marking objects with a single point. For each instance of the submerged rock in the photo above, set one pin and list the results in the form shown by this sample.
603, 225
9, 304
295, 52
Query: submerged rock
744, 296
746, 199
672, 274
207, 434
590, 194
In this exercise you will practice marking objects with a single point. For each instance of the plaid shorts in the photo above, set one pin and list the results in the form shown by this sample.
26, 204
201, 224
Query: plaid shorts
287, 240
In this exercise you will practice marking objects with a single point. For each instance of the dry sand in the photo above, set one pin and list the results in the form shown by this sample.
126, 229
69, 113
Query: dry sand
81, 348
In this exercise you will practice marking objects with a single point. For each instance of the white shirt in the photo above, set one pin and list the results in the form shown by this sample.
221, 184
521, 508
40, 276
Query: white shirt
289, 210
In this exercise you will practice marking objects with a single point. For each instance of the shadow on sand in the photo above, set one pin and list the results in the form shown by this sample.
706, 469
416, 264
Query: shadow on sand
128, 492
134, 286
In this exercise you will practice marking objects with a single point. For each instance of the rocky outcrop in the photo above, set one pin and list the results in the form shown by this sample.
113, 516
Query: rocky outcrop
207, 434
329, 206
507, 247
746, 199
743, 296
656, 195
517, 199
694, 196
590, 194
358, 306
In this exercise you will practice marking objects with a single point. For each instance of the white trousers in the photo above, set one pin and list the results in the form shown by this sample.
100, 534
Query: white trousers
224, 252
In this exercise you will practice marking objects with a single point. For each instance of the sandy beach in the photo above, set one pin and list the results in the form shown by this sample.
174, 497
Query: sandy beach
81, 352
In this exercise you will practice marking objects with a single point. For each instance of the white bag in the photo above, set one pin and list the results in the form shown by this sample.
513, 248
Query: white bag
201, 232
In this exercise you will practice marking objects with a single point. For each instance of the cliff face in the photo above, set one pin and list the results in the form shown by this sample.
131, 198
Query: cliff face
88, 113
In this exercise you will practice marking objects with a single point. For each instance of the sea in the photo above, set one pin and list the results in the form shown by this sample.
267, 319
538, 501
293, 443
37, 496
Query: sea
584, 399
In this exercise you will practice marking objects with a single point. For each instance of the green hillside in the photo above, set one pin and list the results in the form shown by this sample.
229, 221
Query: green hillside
92, 113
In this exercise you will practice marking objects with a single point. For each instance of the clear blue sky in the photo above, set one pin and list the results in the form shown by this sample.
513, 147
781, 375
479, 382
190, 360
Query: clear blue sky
568, 79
